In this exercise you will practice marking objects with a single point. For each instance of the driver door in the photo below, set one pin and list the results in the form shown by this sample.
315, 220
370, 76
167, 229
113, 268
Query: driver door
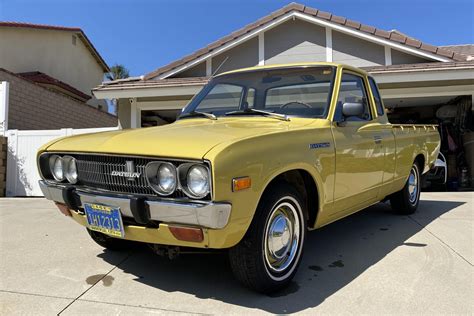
359, 152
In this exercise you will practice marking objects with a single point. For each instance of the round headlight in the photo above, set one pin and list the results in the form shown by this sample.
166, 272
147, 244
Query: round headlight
56, 166
166, 178
70, 169
198, 181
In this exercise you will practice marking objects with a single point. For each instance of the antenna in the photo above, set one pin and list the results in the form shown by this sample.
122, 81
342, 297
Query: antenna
222, 63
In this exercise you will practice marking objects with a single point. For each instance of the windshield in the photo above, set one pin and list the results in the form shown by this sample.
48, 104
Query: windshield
302, 92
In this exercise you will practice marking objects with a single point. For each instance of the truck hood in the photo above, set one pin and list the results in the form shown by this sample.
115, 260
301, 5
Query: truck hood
187, 138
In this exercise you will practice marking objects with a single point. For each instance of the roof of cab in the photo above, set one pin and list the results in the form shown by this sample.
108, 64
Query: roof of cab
293, 65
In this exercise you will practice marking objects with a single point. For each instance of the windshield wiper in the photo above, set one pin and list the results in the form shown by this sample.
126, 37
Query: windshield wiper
278, 116
197, 113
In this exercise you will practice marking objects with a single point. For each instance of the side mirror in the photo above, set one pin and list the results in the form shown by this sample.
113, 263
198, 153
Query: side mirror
352, 109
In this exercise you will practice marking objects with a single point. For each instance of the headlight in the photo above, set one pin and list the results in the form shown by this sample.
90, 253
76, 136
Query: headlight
56, 166
197, 181
162, 177
70, 169
167, 178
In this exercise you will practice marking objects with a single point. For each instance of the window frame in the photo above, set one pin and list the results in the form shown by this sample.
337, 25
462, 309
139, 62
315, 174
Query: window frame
261, 93
364, 88
377, 91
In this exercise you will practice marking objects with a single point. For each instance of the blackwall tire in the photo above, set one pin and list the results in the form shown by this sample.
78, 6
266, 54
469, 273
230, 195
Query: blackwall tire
406, 200
268, 256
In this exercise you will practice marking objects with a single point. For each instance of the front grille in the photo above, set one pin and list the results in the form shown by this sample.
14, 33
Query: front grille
95, 171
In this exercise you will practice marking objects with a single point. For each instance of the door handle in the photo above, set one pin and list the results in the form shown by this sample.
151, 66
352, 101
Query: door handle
378, 139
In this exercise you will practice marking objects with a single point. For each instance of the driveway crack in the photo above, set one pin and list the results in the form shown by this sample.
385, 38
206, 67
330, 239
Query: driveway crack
144, 307
87, 290
432, 234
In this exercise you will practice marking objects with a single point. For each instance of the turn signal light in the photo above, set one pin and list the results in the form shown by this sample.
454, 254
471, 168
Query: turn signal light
241, 183
64, 209
187, 233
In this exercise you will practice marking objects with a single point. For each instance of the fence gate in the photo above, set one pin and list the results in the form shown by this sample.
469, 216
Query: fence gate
22, 172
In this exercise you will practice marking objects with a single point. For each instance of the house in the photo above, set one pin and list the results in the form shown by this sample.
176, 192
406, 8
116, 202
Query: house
416, 79
64, 54
51, 71
46, 77
410, 72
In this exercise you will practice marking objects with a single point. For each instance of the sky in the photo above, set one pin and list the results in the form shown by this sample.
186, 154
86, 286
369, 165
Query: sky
144, 35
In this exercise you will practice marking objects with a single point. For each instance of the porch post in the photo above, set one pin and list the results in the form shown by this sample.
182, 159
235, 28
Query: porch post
328, 44
261, 49
134, 113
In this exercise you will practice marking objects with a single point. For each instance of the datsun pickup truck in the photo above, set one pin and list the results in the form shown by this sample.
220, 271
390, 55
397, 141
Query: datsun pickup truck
259, 157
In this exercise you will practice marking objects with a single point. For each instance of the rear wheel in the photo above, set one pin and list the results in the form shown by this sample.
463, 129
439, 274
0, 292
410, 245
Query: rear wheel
108, 242
407, 199
267, 257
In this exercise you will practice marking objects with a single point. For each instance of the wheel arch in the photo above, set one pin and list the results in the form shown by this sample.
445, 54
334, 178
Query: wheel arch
307, 184
420, 160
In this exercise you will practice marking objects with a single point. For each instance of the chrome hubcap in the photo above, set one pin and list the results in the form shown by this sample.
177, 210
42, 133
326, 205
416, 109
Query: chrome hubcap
282, 237
413, 186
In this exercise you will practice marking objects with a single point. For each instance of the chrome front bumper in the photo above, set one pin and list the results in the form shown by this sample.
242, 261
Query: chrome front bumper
204, 214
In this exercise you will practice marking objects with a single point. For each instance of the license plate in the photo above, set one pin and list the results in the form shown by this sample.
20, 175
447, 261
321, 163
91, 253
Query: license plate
104, 219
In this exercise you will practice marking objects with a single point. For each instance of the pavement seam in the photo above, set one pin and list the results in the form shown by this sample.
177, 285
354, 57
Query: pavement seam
115, 267
432, 234
144, 307
36, 294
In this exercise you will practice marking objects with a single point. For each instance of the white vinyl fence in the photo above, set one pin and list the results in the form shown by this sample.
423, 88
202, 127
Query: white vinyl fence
3, 107
22, 172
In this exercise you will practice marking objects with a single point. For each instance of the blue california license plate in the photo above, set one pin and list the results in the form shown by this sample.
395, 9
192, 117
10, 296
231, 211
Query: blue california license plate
104, 219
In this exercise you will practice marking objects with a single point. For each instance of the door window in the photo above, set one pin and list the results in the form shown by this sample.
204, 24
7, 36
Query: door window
377, 98
352, 90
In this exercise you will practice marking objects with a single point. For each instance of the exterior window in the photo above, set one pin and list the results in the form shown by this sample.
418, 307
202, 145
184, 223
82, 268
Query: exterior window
222, 96
352, 90
377, 98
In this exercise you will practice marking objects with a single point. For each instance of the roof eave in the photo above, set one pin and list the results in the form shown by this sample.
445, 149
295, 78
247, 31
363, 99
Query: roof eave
94, 51
294, 9
78, 31
395, 73
123, 92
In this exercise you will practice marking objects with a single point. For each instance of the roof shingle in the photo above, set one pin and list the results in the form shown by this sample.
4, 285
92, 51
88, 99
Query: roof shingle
44, 79
466, 50
193, 81
394, 36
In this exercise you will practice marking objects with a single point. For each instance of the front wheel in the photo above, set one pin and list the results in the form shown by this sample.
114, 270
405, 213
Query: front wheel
407, 199
267, 257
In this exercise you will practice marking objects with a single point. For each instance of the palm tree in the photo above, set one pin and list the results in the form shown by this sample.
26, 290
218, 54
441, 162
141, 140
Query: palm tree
117, 72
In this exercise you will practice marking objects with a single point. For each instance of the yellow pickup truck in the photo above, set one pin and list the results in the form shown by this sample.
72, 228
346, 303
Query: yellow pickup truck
256, 159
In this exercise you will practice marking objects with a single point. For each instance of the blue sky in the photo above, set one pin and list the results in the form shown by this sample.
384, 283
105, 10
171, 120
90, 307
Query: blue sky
144, 35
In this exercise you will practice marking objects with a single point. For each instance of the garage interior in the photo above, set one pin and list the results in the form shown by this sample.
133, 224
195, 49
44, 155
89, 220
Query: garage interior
455, 120
150, 118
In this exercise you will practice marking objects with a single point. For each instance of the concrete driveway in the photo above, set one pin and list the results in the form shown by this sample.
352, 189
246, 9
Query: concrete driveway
373, 262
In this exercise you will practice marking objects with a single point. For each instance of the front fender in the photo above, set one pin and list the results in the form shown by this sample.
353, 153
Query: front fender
262, 158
